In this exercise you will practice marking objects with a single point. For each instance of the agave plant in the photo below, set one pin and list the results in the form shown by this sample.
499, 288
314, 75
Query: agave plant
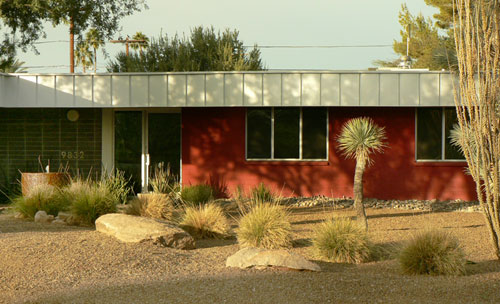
360, 137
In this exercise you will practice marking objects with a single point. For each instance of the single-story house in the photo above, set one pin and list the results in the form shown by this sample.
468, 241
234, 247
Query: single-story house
240, 128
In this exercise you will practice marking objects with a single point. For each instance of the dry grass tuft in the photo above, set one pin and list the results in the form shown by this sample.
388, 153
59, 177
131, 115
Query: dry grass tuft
433, 252
342, 240
265, 225
206, 221
155, 205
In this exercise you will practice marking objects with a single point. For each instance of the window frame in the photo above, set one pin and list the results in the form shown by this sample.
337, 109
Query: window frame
300, 159
443, 140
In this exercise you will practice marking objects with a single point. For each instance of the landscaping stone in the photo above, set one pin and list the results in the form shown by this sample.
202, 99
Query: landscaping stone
42, 217
258, 257
136, 229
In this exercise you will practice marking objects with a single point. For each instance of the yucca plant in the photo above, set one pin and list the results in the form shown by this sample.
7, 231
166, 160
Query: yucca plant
360, 137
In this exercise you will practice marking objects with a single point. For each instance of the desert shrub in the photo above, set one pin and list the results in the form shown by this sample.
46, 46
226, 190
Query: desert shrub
341, 240
117, 185
197, 194
155, 205
219, 186
163, 180
265, 225
41, 197
432, 252
206, 221
262, 194
89, 201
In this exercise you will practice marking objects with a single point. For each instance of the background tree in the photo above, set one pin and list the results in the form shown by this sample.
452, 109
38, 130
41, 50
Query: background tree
477, 100
204, 50
84, 56
140, 46
95, 41
25, 18
431, 43
360, 137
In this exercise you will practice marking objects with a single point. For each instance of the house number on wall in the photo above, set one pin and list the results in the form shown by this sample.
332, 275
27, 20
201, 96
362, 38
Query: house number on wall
72, 155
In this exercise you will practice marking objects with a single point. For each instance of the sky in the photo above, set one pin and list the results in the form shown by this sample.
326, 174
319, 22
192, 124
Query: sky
261, 22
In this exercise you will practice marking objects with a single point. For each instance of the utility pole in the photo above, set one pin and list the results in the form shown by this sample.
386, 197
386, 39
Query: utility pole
127, 41
71, 45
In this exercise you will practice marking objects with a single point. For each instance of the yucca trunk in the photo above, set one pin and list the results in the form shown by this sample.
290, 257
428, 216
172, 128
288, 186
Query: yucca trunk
358, 193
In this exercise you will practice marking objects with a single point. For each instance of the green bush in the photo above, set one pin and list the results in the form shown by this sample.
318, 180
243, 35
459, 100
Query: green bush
155, 205
116, 183
207, 221
89, 201
262, 194
433, 252
341, 240
265, 225
197, 194
41, 197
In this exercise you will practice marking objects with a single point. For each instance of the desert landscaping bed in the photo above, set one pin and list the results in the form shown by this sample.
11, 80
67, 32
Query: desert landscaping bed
45, 263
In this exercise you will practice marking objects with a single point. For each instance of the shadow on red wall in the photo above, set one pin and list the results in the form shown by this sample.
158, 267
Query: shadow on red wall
213, 143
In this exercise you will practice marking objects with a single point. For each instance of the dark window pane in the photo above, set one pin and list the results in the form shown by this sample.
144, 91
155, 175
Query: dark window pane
128, 145
314, 133
429, 133
259, 133
286, 132
450, 120
164, 139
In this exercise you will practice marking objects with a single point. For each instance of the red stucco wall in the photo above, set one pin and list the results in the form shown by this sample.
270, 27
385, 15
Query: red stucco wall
213, 143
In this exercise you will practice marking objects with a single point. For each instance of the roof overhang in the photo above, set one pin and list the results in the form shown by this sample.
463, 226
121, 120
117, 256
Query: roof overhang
403, 88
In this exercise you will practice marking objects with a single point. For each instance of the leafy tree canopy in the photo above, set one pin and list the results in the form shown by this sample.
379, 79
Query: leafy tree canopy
24, 18
204, 50
429, 47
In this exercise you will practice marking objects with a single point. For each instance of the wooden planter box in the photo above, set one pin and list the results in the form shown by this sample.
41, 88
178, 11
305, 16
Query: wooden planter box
30, 180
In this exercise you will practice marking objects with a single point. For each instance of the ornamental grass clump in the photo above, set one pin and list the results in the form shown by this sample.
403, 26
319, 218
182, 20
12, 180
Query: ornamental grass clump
206, 221
154, 205
197, 194
265, 225
41, 197
433, 252
342, 240
89, 201
262, 194
117, 184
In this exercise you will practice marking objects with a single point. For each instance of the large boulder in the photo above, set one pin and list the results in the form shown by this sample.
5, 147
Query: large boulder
258, 257
136, 229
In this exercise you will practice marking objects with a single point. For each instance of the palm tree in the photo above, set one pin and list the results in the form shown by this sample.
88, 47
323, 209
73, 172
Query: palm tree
11, 65
359, 138
139, 45
95, 40
83, 55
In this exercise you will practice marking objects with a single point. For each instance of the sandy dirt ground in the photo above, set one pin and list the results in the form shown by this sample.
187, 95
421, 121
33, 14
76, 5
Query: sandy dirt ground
44, 263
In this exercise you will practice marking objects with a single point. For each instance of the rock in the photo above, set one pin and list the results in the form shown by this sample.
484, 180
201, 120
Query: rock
136, 229
19, 215
58, 222
63, 215
258, 257
42, 217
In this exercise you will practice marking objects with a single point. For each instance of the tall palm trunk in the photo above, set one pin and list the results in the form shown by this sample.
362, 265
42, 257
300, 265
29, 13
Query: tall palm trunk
358, 193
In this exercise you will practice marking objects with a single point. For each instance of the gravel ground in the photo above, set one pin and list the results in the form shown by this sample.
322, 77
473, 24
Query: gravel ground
44, 263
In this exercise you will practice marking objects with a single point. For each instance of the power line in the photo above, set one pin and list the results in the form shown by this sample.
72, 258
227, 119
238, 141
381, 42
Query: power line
279, 46
318, 46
